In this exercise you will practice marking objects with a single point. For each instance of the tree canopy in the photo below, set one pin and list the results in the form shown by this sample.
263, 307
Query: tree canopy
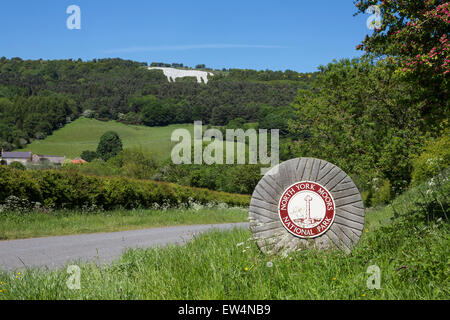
413, 38
109, 146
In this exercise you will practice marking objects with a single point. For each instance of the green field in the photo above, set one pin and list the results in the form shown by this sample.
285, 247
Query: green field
84, 134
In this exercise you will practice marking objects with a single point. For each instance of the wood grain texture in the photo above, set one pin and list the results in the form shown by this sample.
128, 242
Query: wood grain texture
265, 224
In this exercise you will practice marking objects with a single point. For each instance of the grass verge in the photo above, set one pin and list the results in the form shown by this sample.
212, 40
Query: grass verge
408, 241
18, 225
216, 266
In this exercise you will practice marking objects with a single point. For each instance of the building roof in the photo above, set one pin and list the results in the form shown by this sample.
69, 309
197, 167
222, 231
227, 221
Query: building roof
51, 157
16, 155
46, 156
78, 161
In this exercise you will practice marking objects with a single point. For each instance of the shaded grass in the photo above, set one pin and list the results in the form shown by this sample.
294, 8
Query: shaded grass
18, 225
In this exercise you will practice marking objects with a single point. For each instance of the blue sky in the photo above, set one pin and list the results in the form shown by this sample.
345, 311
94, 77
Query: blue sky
284, 34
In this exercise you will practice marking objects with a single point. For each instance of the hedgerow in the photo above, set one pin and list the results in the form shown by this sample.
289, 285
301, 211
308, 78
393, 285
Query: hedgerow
71, 189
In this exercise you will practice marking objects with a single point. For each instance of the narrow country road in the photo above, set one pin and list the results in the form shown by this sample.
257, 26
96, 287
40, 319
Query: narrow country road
54, 252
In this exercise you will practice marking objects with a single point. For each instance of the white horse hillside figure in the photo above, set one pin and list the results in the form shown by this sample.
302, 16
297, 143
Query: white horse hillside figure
172, 74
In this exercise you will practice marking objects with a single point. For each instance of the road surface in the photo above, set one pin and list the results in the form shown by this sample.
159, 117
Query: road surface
101, 248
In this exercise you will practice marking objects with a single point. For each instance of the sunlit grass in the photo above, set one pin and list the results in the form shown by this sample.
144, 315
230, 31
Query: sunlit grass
84, 134
19, 225
413, 259
214, 266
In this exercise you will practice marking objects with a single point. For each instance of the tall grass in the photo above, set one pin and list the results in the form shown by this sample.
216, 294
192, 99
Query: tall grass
215, 266
19, 225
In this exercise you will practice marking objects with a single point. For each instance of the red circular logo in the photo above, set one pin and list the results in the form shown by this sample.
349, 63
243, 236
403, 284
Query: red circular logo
306, 209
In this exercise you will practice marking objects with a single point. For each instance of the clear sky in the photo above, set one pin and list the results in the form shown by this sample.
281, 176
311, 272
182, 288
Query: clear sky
265, 34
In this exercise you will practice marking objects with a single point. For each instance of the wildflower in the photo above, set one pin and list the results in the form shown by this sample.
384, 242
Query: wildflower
269, 264
245, 269
334, 279
363, 294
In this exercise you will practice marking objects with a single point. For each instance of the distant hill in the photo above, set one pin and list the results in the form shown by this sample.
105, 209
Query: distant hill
84, 134
38, 97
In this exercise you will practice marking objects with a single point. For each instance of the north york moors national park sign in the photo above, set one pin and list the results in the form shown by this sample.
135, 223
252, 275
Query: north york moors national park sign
306, 203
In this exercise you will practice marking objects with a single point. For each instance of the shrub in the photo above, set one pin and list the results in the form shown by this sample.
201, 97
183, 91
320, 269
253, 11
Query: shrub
89, 155
13, 203
418, 231
18, 183
240, 179
96, 167
382, 194
71, 189
109, 145
135, 163
42, 165
434, 159
427, 202
17, 165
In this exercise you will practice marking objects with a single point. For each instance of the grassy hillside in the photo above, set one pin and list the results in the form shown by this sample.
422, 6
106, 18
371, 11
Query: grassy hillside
84, 134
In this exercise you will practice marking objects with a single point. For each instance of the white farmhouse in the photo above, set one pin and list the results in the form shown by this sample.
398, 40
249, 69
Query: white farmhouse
172, 74
10, 157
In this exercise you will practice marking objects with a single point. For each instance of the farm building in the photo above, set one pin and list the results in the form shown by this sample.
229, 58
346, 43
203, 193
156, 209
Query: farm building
52, 159
22, 157
78, 161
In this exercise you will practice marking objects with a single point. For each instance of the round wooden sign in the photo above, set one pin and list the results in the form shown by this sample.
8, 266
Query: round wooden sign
306, 203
